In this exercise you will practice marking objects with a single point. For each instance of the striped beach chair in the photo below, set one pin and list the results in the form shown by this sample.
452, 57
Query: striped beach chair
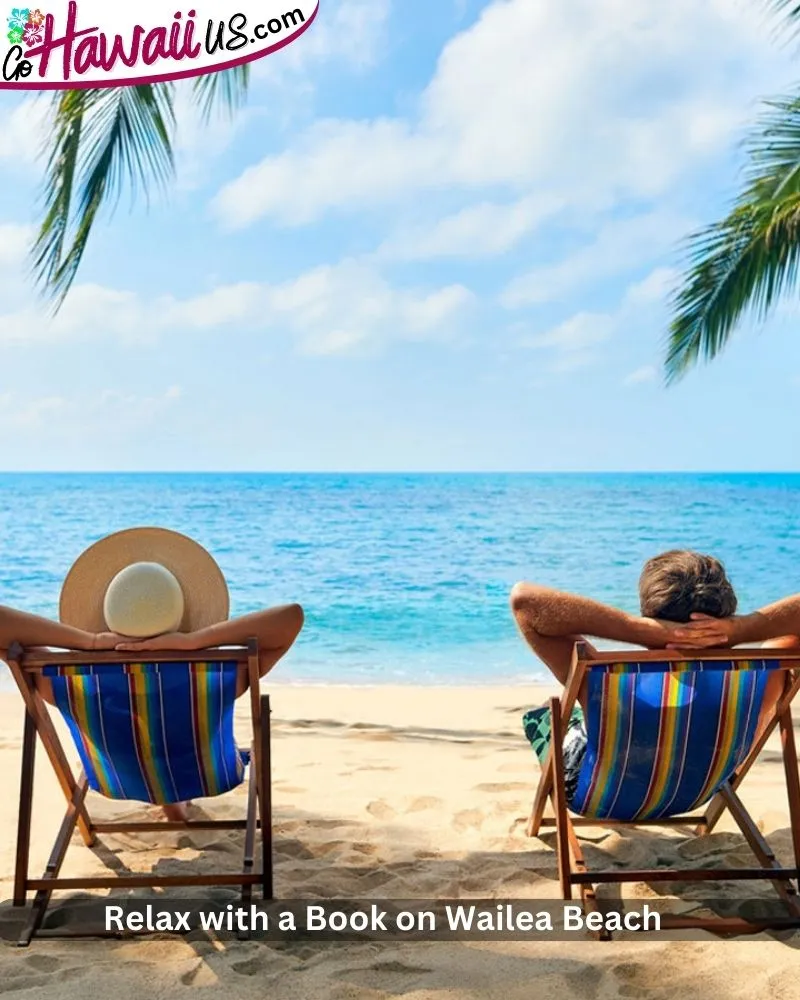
158, 732
667, 736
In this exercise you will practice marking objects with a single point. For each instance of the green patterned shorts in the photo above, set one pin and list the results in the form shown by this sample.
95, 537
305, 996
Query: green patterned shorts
539, 731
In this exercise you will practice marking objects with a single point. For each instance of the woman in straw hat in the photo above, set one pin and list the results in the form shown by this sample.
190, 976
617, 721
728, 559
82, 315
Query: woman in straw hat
150, 589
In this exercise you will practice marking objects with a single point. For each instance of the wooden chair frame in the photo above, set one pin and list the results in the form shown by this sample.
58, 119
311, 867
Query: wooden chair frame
25, 665
572, 868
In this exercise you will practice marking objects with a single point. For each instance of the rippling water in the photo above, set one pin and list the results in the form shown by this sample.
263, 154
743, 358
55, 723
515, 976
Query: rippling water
405, 577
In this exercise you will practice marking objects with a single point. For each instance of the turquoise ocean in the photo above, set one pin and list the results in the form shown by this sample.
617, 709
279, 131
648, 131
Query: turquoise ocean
405, 578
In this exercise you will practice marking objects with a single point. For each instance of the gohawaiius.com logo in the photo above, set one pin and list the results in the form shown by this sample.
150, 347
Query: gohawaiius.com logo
94, 43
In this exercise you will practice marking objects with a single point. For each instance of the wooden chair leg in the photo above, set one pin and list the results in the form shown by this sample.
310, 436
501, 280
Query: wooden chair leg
249, 841
717, 806
55, 861
759, 846
577, 672
587, 890
250, 829
543, 793
560, 800
265, 800
792, 779
52, 745
25, 810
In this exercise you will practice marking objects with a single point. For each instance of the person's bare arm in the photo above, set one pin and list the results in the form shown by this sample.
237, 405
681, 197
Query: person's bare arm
551, 621
274, 628
775, 621
557, 613
32, 630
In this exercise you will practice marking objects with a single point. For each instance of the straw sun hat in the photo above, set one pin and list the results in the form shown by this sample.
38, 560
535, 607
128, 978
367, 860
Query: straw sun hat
144, 582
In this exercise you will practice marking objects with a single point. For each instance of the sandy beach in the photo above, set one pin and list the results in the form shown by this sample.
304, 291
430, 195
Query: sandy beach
397, 793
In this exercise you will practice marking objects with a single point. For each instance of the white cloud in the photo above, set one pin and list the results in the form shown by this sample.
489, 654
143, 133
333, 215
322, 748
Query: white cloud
646, 374
655, 288
571, 344
580, 331
64, 415
483, 230
15, 240
618, 246
90, 312
199, 140
330, 309
595, 99
335, 163
349, 33
22, 130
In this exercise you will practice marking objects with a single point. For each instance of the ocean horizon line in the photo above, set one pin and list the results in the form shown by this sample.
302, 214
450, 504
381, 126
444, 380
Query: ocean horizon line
399, 472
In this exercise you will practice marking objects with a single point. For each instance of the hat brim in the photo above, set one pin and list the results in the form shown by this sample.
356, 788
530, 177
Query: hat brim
204, 589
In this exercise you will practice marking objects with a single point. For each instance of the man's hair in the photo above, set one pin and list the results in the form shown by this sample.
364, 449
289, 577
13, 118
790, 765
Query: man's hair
677, 583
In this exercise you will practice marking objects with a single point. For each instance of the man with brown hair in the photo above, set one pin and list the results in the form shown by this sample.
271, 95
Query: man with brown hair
673, 586
686, 601
677, 584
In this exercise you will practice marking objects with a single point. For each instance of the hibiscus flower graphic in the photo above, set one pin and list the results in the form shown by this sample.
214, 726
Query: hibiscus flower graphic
33, 34
15, 36
18, 18
36, 18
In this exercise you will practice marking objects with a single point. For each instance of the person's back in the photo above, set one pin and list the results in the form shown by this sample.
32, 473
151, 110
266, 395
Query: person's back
672, 587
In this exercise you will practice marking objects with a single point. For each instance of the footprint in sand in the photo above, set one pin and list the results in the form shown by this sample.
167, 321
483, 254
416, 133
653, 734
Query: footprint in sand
525, 769
703, 847
43, 963
252, 967
263, 962
200, 974
330, 847
15, 979
508, 786
468, 819
375, 976
425, 802
365, 848
381, 810
635, 980
326, 824
294, 849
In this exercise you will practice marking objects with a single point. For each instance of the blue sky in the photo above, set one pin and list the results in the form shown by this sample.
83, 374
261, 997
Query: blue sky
440, 236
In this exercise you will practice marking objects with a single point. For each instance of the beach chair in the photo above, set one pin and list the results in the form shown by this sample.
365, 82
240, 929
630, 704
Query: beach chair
160, 732
668, 735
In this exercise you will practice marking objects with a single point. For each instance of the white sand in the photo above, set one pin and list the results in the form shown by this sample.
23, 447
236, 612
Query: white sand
394, 793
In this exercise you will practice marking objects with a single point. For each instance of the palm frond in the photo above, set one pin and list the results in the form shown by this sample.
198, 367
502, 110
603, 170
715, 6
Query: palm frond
790, 7
105, 140
226, 90
746, 262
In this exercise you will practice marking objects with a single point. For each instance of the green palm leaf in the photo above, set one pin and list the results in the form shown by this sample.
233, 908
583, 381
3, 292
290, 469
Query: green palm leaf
226, 91
746, 262
105, 141
790, 7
